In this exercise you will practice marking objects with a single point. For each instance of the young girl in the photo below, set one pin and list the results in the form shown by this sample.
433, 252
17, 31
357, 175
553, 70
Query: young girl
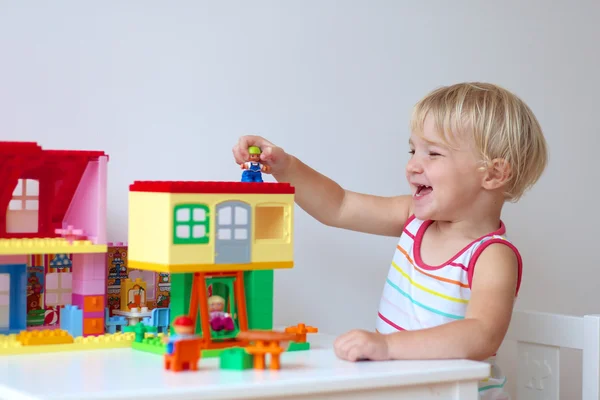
454, 276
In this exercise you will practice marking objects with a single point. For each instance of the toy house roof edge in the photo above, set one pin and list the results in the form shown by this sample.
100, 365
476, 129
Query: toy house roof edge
215, 187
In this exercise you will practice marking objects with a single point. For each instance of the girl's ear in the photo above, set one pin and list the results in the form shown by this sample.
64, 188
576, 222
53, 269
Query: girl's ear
497, 174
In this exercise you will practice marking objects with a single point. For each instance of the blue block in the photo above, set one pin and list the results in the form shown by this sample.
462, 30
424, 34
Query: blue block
17, 318
71, 320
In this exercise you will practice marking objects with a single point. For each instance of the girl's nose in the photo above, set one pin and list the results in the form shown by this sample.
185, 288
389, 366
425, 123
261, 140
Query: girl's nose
414, 166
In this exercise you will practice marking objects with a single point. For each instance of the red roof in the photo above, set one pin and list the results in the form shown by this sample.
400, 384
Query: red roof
32, 148
212, 187
59, 173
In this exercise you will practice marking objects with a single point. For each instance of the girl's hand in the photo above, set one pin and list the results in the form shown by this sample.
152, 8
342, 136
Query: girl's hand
362, 345
273, 157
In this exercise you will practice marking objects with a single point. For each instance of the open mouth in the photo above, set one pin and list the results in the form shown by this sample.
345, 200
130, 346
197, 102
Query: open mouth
423, 190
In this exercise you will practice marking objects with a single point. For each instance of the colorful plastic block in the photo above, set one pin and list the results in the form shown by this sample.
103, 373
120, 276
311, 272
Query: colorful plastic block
191, 226
235, 358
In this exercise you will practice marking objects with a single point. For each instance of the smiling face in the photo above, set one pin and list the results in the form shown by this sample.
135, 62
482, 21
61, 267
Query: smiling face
445, 181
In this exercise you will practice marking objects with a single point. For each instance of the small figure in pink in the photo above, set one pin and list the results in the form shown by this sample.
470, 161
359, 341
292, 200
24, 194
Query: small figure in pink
219, 319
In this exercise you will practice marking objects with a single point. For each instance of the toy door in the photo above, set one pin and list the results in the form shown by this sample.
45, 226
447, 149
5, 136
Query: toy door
13, 300
232, 244
4, 301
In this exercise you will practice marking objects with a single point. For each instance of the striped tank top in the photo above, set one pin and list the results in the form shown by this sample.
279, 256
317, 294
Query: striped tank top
419, 296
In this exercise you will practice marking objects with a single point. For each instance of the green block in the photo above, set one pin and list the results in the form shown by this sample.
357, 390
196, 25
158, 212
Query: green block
235, 358
259, 283
295, 346
261, 321
211, 353
150, 346
259, 298
181, 293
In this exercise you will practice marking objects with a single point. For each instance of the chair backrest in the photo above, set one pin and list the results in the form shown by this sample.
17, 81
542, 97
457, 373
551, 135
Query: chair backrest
539, 337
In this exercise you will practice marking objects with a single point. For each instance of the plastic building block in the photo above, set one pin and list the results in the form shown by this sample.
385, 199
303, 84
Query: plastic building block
214, 187
259, 299
180, 227
71, 320
70, 234
10, 346
263, 343
48, 246
36, 338
87, 210
235, 358
295, 346
300, 331
13, 280
54, 177
152, 344
140, 331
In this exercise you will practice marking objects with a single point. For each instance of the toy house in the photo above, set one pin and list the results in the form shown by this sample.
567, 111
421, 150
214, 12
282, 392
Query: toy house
221, 242
52, 204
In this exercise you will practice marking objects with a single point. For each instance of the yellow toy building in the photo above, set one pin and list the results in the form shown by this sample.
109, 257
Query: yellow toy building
215, 238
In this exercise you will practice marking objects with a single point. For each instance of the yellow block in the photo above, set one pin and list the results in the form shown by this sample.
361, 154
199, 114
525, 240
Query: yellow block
48, 246
10, 346
46, 336
184, 268
152, 227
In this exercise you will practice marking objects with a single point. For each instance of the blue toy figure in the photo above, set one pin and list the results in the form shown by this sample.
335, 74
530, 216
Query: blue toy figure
253, 167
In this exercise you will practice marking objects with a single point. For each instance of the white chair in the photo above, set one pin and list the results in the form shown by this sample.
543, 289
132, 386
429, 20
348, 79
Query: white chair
539, 337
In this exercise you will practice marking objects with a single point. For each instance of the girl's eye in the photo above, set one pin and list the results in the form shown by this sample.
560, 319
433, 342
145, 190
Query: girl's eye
434, 154
411, 152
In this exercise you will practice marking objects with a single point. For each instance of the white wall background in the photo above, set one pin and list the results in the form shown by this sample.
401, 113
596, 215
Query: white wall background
166, 88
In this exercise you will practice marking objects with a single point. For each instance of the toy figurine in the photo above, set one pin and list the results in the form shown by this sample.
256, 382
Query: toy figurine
184, 330
219, 319
253, 167
184, 348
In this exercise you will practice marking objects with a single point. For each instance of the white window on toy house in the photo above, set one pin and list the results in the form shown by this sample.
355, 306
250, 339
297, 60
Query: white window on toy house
22, 215
150, 278
58, 289
4, 301
233, 223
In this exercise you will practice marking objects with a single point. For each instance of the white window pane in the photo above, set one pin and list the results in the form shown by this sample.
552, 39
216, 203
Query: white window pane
199, 231
65, 298
52, 281
31, 205
199, 214
32, 187
183, 232
183, 215
241, 234
224, 234
19, 188
4, 299
51, 298
66, 280
4, 282
15, 205
241, 216
225, 216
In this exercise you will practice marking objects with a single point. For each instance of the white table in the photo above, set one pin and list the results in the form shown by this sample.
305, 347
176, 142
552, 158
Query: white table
315, 374
133, 317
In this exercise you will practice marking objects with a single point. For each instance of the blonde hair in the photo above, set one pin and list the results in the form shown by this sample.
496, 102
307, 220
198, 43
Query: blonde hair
501, 124
215, 299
